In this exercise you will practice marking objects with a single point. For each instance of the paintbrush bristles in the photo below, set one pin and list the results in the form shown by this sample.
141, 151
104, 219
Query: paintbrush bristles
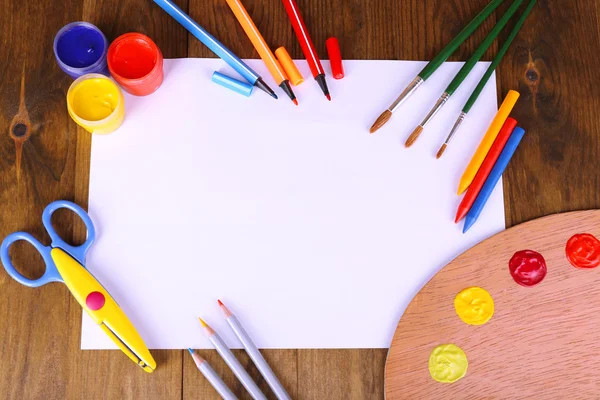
414, 136
381, 120
441, 151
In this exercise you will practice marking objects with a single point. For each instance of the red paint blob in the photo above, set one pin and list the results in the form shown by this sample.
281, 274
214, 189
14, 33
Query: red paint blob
95, 301
583, 251
136, 63
527, 267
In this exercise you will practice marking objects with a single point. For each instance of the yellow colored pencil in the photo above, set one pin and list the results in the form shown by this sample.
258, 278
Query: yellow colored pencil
488, 140
261, 47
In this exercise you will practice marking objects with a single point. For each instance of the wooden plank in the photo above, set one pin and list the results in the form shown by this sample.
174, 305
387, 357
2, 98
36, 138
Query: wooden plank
552, 65
541, 341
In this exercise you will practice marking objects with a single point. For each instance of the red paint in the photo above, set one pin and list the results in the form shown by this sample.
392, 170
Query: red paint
583, 251
95, 301
527, 267
136, 63
335, 57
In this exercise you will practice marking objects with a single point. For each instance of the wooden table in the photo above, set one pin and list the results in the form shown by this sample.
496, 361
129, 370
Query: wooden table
553, 63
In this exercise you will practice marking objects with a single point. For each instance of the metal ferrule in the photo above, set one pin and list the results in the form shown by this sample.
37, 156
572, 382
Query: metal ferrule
457, 124
410, 89
438, 106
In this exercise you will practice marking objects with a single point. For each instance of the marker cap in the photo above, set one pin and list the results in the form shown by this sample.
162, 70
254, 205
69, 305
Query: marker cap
335, 57
289, 67
228, 82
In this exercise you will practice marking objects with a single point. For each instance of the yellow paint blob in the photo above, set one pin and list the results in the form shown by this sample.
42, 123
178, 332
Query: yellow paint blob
448, 363
474, 305
96, 103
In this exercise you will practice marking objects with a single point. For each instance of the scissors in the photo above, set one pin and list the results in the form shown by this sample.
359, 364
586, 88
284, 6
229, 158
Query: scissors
66, 264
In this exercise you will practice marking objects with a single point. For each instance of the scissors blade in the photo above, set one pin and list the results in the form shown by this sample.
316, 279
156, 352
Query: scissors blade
103, 309
145, 364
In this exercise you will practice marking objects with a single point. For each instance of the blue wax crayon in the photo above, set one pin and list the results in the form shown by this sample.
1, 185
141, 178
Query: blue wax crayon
80, 48
493, 177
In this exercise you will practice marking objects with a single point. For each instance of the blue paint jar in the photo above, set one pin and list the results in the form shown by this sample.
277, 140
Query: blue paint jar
80, 48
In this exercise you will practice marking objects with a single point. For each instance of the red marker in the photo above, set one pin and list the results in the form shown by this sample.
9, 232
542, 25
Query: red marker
475, 187
307, 45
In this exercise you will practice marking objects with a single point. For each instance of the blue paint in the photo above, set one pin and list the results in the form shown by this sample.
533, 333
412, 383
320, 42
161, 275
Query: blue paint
80, 48
240, 87
493, 177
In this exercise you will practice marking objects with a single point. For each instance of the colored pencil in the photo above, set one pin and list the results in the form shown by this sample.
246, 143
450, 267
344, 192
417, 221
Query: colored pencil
261, 47
215, 46
255, 354
212, 377
487, 141
464, 71
434, 64
486, 167
232, 362
493, 178
308, 48
486, 77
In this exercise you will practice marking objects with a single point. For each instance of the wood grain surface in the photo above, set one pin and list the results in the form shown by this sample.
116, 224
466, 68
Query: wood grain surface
557, 167
541, 342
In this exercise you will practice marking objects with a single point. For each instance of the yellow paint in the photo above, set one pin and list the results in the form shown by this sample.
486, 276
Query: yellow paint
81, 283
488, 140
448, 363
474, 305
96, 103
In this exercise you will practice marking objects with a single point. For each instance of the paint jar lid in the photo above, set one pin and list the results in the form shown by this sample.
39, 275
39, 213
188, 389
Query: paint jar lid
99, 66
335, 57
289, 67
136, 63
228, 82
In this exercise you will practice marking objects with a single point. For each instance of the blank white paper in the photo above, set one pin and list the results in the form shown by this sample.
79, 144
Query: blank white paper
314, 232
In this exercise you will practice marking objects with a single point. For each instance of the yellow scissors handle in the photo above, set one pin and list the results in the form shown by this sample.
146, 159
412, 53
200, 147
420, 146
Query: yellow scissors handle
103, 309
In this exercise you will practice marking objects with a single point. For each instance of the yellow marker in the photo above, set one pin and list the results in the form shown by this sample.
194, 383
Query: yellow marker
261, 47
474, 305
288, 65
96, 103
448, 363
488, 140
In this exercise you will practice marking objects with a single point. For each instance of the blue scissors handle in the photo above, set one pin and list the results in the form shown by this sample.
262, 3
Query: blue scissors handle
77, 252
51, 274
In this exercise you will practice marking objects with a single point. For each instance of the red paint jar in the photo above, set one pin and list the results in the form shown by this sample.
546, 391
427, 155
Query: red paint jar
136, 63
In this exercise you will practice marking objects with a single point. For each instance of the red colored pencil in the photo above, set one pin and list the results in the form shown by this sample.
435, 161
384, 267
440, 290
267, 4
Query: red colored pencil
471, 194
307, 45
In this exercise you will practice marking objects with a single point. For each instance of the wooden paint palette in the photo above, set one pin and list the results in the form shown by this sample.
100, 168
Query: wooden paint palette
543, 342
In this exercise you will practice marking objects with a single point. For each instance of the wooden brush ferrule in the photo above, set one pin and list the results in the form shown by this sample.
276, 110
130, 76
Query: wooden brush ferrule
410, 89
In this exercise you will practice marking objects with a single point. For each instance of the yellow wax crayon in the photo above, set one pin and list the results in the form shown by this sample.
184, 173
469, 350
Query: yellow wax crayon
488, 140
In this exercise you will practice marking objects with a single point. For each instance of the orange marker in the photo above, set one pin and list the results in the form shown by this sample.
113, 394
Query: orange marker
486, 167
261, 47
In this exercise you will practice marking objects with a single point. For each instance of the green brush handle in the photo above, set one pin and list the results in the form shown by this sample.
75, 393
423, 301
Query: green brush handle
458, 40
487, 42
486, 77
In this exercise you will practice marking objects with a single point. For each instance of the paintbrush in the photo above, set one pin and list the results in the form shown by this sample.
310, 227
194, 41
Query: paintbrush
486, 77
464, 71
434, 64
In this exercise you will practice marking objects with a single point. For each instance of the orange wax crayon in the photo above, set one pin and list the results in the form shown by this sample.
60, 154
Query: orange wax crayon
475, 187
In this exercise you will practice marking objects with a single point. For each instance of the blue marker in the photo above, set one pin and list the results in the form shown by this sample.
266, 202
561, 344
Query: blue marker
494, 177
214, 45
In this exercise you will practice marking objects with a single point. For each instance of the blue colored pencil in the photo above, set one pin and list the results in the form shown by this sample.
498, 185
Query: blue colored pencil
214, 45
493, 178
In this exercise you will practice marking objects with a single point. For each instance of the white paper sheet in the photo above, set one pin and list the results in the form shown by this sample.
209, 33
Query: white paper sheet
314, 232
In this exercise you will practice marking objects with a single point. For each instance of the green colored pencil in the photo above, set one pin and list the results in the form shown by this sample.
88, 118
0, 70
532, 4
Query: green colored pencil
434, 64
464, 71
486, 77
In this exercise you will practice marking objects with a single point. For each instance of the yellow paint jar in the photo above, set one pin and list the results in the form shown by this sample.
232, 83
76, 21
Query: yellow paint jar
96, 103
